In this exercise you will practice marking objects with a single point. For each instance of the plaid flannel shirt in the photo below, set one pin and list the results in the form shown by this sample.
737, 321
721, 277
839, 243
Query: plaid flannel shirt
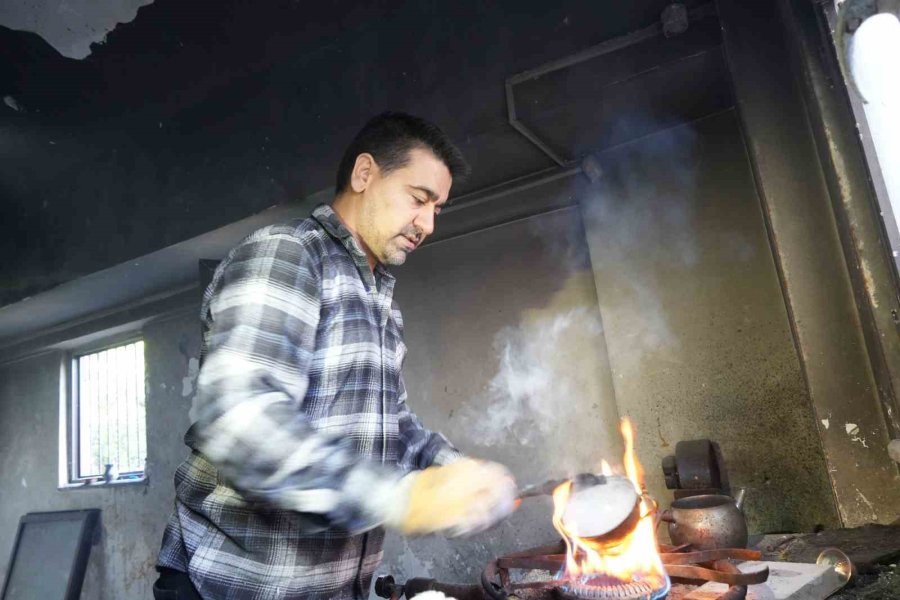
302, 418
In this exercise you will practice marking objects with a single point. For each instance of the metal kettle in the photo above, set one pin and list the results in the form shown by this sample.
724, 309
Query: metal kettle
707, 521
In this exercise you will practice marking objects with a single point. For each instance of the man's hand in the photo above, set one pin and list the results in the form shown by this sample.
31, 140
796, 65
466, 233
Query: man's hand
464, 497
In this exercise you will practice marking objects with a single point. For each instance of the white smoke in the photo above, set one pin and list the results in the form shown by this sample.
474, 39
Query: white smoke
540, 377
646, 225
641, 226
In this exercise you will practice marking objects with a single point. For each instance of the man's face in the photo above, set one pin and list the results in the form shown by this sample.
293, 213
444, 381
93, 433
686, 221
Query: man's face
399, 208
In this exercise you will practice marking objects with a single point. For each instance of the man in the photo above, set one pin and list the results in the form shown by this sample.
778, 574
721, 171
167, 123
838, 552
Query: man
304, 447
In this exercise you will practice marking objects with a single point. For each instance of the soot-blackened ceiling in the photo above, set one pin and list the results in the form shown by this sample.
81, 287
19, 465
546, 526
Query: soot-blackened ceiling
191, 117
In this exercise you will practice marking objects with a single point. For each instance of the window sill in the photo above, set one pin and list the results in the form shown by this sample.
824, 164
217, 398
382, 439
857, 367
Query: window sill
142, 480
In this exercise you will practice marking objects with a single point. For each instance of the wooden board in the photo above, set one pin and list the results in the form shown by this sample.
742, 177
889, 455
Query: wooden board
866, 546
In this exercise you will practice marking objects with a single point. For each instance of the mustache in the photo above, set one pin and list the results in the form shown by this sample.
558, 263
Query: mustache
413, 232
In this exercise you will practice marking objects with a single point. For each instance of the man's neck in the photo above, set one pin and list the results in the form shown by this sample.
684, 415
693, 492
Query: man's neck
347, 207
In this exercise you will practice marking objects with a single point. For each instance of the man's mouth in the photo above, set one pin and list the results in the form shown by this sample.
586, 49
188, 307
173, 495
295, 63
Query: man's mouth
411, 243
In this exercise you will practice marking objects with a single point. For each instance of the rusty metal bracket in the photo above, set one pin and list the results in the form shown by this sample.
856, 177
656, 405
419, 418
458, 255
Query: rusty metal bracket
718, 574
686, 558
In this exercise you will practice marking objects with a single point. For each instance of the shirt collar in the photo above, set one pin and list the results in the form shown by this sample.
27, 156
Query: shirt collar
329, 220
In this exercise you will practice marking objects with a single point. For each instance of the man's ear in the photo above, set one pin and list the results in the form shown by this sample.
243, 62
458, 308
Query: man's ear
363, 172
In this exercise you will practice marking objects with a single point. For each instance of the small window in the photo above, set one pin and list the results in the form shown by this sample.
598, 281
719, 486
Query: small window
107, 423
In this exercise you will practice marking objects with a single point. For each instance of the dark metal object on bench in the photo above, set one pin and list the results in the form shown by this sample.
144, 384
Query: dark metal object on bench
697, 467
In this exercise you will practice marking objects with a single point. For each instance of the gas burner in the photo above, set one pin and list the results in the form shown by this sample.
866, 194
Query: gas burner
496, 583
610, 588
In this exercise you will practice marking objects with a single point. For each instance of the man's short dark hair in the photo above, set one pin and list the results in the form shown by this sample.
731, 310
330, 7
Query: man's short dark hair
389, 138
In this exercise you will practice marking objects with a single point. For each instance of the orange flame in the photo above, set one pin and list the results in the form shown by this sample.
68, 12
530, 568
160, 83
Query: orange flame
634, 558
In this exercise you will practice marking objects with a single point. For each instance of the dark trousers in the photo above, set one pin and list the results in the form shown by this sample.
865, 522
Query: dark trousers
174, 585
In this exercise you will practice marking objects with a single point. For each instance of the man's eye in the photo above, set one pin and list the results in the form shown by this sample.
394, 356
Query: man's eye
418, 200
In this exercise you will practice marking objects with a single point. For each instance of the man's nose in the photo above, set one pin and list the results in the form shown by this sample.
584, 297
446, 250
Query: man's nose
425, 221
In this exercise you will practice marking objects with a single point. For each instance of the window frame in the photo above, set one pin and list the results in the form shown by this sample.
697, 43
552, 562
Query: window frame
70, 406
890, 225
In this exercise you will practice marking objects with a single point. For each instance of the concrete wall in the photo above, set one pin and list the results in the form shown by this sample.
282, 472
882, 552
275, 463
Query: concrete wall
133, 516
696, 324
827, 321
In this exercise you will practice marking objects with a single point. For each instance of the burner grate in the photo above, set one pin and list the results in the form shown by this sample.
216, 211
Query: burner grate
610, 589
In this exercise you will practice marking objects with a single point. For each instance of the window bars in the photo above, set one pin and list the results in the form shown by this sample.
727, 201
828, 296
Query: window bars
109, 436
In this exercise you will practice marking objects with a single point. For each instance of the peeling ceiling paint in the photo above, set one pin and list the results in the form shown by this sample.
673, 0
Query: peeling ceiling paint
70, 26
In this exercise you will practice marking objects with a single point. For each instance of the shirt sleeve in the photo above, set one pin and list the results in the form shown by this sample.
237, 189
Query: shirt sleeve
262, 319
420, 447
